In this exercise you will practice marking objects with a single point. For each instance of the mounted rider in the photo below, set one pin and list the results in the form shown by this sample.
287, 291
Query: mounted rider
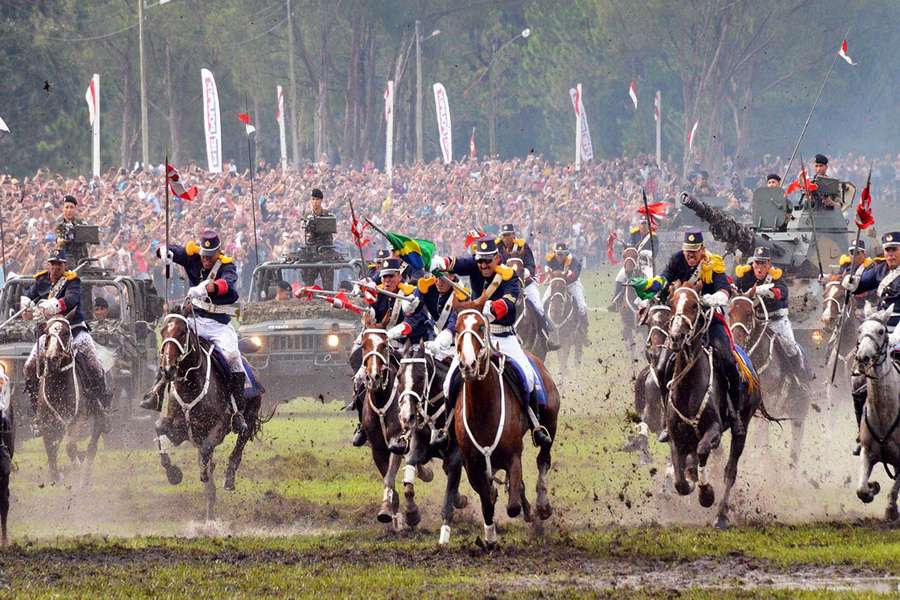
56, 292
856, 261
495, 289
643, 240
438, 296
213, 294
404, 320
695, 265
884, 278
760, 279
561, 260
509, 247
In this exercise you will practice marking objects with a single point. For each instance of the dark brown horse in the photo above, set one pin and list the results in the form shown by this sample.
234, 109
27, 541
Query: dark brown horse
490, 422
529, 327
381, 422
64, 411
196, 398
694, 409
560, 309
648, 403
782, 389
7, 447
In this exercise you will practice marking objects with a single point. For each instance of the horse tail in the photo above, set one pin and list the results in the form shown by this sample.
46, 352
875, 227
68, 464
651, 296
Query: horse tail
761, 410
256, 420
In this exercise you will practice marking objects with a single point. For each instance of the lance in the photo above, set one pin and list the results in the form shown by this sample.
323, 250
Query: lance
167, 267
53, 291
252, 195
650, 233
3, 245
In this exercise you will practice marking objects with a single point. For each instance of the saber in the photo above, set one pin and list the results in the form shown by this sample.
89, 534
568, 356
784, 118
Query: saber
53, 291
374, 288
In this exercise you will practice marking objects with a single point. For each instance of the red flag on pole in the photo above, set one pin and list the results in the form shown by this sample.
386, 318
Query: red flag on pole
245, 119
801, 183
90, 96
610, 248
864, 217
632, 92
473, 235
177, 187
842, 52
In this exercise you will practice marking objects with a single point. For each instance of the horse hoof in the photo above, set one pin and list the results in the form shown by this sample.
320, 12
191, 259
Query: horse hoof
513, 511
385, 514
229, 484
544, 511
424, 473
174, 475
413, 518
398, 446
204, 477
684, 488
866, 497
722, 523
461, 501
707, 496
891, 513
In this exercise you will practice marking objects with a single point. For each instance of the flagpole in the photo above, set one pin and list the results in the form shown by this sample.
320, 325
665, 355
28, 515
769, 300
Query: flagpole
650, 233
3, 246
356, 240
252, 195
658, 129
166, 258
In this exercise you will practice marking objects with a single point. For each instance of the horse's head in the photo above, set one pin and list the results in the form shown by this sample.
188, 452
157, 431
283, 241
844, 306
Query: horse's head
657, 320
376, 359
412, 385
473, 344
630, 260
872, 341
741, 319
832, 303
58, 351
686, 311
175, 346
557, 300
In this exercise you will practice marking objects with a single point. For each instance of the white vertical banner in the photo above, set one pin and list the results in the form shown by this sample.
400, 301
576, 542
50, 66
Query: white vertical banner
279, 118
212, 126
657, 114
576, 105
92, 97
389, 133
445, 132
584, 145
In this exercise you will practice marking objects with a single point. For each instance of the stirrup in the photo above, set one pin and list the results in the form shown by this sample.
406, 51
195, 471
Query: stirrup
663, 435
534, 435
239, 424
439, 437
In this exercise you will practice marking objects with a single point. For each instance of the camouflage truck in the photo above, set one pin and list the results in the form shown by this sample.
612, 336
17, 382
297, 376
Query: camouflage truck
126, 343
300, 348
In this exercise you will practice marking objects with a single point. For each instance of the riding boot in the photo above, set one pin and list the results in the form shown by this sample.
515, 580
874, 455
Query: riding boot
731, 399
539, 433
439, 436
359, 435
859, 394
552, 334
154, 398
236, 389
31, 389
664, 365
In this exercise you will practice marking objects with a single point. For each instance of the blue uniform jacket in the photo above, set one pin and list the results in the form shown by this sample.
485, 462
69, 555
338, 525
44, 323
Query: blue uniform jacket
571, 263
69, 295
871, 279
188, 256
419, 320
520, 249
508, 290
745, 280
712, 275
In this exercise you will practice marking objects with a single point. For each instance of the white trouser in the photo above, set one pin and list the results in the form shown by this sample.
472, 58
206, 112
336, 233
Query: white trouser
224, 337
782, 329
83, 343
509, 346
534, 296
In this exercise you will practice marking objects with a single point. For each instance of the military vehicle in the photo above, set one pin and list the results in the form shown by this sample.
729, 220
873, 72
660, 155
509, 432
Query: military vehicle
804, 240
300, 348
671, 231
126, 343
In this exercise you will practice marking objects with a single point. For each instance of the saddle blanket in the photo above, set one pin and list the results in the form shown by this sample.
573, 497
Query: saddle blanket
252, 387
514, 377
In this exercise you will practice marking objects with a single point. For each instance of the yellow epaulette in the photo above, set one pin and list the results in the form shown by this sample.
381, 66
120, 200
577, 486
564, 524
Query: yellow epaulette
741, 270
506, 273
867, 262
425, 282
520, 243
498, 241
634, 229
878, 259
462, 297
226, 260
192, 248
39, 273
713, 264
776, 273
407, 288
549, 256
844, 260
70, 275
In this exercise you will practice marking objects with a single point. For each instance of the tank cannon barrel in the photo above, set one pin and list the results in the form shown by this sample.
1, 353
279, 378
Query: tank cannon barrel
725, 229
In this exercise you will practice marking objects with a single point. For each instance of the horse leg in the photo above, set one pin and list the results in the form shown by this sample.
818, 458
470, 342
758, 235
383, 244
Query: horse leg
515, 485
796, 441
207, 466
706, 493
173, 473
5, 470
737, 448
865, 490
234, 461
51, 445
389, 500
484, 487
91, 453
542, 503
891, 513
682, 485
411, 511
452, 498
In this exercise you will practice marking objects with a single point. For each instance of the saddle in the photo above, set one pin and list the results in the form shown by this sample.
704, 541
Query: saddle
514, 377
252, 387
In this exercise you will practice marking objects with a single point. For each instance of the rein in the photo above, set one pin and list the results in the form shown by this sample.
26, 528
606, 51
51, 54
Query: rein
424, 403
872, 373
69, 349
382, 411
185, 350
564, 296
484, 355
694, 422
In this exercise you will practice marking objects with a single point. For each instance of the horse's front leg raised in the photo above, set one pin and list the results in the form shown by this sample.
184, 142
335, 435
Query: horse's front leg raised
173, 472
389, 501
865, 490
710, 440
737, 448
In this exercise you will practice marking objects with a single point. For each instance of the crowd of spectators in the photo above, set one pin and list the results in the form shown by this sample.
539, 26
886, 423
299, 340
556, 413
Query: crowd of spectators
548, 202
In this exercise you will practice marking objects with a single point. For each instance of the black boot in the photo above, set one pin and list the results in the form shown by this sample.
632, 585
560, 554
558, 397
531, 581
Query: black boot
439, 437
733, 394
154, 398
236, 389
664, 364
859, 403
552, 334
539, 433
359, 435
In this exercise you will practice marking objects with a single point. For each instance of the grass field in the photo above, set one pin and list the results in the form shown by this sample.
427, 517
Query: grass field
301, 522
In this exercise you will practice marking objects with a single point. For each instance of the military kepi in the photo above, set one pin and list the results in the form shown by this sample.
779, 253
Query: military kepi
508, 228
59, 255
485, 248
693, 240
209, 242
761, 254
390, 266
560, 248
891, 239
857, 246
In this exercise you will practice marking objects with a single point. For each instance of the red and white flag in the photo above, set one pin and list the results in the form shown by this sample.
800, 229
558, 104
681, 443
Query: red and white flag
864, 218
177, 187
657, 100
842, 52
245, 119
90, 96
3, 126
632, 92
691, 136
473, 151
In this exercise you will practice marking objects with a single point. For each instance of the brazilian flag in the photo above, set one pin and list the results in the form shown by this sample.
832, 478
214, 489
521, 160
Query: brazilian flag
417, 253
647, 287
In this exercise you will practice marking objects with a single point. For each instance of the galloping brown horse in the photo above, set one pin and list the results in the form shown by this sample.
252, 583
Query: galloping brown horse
63, 409
195, 401
490, 421
648, 401
694, 414
560, 309
528, 322
7, 447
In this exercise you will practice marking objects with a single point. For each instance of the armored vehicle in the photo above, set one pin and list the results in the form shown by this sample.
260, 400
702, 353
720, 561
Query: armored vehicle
126, 342
671, 232
300, 348
802, 239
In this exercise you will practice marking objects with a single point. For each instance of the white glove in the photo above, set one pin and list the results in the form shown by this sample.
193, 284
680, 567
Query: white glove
444, 339
488, 313
439, 263
526, 274
198, 291
642, 304
25, 303
337, 303
720, 298
850, 282
164, 253
409, 306
49, 307
765, 290
396, 331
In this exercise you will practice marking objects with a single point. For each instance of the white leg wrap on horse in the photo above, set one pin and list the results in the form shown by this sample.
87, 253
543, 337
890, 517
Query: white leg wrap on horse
409, 474
445, 535
490, 533
703, 475
163, 443
643, 429
388, 495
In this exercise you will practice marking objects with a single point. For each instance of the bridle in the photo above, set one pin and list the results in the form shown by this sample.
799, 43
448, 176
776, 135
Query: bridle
693, 332
171, 391
67, 348
423, 402
829, 300
871, 370
483, 355
384, 370
562, 295
184, 350
655, 328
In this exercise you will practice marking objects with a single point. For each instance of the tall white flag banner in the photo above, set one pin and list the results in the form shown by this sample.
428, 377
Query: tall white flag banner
3, 126
657, 115
576, 105
389, 133
92, 97
212, 126
583, 132
279, 117
445, 132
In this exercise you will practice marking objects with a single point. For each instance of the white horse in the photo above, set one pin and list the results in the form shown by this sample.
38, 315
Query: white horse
879, 434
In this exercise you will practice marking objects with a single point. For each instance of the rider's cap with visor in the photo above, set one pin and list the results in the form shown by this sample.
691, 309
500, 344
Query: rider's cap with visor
693, 240
508, 228
891, 239
209, 242
57, 256
857, 246
390, 266
485, 248
761, 254
560, 248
